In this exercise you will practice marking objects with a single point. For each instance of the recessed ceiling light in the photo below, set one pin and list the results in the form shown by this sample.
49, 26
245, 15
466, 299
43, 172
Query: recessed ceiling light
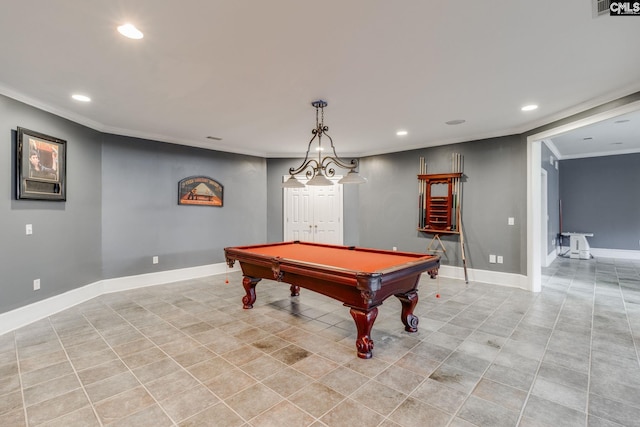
130, 31
81, 98
529, 107
402, 133
455, 122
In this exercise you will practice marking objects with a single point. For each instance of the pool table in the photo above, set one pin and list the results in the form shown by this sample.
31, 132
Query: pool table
360, 278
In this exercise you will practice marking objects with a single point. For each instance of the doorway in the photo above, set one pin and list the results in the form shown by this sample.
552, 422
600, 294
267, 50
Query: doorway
314, 214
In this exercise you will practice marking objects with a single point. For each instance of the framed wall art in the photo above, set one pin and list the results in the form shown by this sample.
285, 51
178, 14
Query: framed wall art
200, 191
41, 166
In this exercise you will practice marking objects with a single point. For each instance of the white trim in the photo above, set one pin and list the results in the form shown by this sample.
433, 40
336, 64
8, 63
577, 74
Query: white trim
23, 316
512, 280
609, 253
551, 256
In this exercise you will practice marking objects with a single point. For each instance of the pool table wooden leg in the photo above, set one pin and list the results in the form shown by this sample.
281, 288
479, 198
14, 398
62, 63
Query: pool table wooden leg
295, 290
409, 301
364, 322
249, 284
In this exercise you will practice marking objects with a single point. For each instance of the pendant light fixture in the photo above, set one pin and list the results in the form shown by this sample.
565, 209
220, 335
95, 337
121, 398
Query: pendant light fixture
319, 171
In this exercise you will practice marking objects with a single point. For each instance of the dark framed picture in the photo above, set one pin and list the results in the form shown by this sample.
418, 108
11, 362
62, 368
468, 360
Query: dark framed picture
200, 191
41, 166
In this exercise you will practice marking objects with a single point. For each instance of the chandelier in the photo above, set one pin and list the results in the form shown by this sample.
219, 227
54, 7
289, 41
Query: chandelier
317, 171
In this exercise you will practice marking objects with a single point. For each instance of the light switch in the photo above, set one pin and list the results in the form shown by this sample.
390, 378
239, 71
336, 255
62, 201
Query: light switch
29, 229
512, 220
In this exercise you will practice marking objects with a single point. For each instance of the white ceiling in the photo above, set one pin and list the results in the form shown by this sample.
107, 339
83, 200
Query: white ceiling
247, 72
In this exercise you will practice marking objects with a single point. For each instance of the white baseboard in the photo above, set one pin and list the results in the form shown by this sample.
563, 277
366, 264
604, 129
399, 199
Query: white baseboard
551, 256
615, 253
23, 316
609, 253
484, 276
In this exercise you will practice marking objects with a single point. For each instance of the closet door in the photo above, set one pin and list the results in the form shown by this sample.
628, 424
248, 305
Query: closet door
314, 214
298, 214
327, 214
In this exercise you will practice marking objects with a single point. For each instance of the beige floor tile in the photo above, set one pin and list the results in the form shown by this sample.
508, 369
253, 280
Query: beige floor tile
29, 379
290, 354
155, 370
230, 383
124, 404
253, 401
56, 407
315, 366
85, 361
379, 397
413, 413
350, 413
263, 367
144, 357
194, 356
11, 402
214, 416
287, 381
343, 380
209, 369
83, 417
42, 361
101, 372
316, 399
282, 414
151, 416
171, 385
111, 386
283, 363
9, 383
400, 379
189, 403
13, 418
50, 389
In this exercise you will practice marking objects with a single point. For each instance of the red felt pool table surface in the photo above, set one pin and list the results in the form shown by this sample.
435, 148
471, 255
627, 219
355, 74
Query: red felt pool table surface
360, 278
346, 257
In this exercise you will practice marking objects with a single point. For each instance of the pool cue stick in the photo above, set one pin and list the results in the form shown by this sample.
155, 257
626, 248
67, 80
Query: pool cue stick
424, 195
421, 195
464, 259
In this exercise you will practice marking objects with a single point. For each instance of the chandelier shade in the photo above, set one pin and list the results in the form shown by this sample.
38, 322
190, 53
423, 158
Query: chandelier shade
318, 172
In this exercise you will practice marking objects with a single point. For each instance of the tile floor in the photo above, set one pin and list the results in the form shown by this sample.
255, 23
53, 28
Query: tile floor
187, 354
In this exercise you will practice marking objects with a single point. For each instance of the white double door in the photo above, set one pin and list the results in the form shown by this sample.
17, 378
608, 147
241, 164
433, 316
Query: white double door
314, 214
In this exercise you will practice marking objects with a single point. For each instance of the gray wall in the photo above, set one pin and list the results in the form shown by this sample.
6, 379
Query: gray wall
494, 188
384, 212
142, 218
121, 210
553, 198
600, 195
64, 251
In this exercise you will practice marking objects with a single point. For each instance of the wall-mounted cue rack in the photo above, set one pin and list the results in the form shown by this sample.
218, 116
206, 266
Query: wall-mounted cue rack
440, 204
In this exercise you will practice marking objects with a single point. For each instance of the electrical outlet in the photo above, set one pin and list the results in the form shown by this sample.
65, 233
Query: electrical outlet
155, 259
492, 259
36, 284
395, 249
511, 220
29, 229
500, 259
